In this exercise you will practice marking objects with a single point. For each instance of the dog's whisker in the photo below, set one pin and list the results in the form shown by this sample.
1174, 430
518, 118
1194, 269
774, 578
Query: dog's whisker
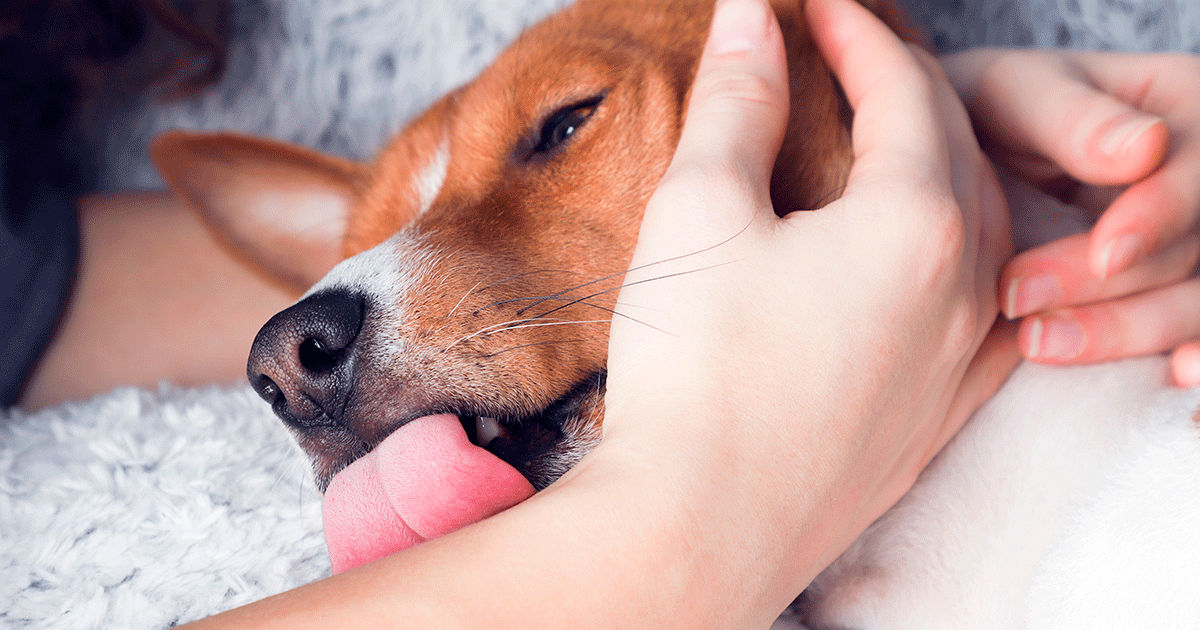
640, 267
463, 298
634, 283
540, 343
561, 323
514, 277
485, 329
527, 273
643, 307
615, 313
582, 301
524, 299
561, 299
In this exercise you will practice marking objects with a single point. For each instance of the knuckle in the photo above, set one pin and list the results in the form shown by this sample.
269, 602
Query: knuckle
930, 237
944, 227
944, 241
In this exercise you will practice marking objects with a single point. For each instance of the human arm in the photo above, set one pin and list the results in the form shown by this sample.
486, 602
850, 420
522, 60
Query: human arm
1119, 135
747, 447
153, 283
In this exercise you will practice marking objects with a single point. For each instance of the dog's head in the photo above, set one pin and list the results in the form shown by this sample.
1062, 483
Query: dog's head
484, 248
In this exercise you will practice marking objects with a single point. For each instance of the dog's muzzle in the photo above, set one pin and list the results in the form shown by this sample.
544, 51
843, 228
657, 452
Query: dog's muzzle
302, 360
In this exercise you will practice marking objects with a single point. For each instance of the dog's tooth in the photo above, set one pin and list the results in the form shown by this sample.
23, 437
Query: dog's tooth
486, 430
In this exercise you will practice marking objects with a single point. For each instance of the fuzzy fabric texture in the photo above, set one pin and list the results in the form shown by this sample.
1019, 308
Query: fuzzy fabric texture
142, 509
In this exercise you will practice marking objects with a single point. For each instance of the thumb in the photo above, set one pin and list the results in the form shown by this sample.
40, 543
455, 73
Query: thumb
738, 108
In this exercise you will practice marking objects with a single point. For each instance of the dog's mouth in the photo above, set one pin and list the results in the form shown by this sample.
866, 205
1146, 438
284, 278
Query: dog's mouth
541, 445
531, 443
441, 471
517, 442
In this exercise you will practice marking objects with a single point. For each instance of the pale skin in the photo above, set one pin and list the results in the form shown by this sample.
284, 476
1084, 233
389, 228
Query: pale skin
157, 298
1119, 135
730, 484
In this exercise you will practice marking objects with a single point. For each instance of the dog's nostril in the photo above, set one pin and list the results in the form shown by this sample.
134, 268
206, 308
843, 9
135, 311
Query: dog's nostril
267, 389
302, 360
316, 357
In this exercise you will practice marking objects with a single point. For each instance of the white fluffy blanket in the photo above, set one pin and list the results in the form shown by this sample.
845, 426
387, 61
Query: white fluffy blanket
144, 509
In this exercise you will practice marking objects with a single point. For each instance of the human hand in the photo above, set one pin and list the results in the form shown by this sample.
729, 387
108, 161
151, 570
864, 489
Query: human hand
800, 372
1119, 135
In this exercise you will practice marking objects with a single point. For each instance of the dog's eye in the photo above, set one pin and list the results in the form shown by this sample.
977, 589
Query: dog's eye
563, 124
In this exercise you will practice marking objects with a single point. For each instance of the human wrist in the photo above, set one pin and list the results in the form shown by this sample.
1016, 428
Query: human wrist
764, 536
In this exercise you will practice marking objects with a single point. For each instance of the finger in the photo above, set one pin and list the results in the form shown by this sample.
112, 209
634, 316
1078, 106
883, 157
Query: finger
1185, 365
1152, 215
738, 107
1057, 274
1164, 84
1147, 323
899, 140
1050, 118
1156, 211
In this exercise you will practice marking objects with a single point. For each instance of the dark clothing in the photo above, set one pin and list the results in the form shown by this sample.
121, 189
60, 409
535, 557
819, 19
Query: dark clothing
39, 232
37, 266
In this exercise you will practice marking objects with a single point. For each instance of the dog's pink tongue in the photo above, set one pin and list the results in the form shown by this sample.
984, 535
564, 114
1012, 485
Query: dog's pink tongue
425, 480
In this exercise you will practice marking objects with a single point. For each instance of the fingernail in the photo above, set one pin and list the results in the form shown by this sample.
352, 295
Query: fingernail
1120, 254
1032, 294
1117, 141
1056, 337
739, 26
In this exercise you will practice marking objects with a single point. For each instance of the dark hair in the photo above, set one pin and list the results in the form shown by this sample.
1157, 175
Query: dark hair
54, 54
68, 34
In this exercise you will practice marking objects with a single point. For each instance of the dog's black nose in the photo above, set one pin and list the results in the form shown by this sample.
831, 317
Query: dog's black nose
302, 358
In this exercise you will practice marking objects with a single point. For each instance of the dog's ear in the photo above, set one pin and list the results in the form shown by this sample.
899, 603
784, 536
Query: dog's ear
281, 206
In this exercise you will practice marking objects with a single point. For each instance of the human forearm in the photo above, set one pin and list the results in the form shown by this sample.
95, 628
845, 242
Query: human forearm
614, 545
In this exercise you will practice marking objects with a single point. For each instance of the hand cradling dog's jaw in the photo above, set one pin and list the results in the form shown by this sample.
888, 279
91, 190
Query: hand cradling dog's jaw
484, 250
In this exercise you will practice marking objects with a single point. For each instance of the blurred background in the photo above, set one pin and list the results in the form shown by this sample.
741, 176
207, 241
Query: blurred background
100, 78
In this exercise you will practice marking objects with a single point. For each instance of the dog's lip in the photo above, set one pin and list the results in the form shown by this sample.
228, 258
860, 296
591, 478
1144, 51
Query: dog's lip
505, 435
508, 436
520, 440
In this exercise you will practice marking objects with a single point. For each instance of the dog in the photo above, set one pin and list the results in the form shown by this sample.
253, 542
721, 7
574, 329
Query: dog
464, 282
